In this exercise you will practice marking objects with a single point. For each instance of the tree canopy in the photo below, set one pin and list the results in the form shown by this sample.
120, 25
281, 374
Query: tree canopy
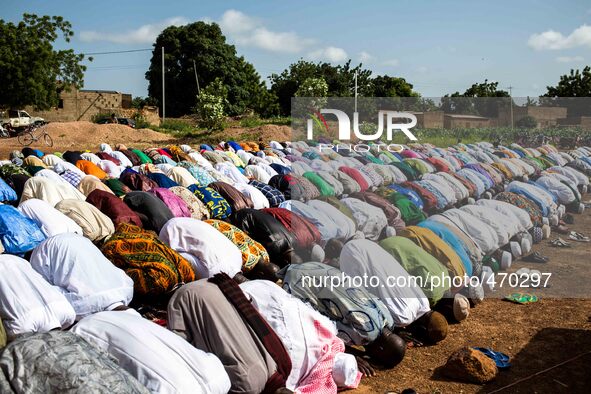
204, 44
575, 84
482, 99
340, 80
569, 93
32, 72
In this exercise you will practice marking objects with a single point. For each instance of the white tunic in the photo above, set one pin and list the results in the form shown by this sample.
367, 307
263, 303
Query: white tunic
28, 303
212, 251
50, 220
295, 323
77, 268
406, 303
50, 191
161, 360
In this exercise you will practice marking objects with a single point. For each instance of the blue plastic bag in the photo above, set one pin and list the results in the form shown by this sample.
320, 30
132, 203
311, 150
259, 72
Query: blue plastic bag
6, 192
18, 233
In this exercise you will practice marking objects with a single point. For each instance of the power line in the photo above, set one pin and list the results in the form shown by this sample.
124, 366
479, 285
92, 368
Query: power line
113, 52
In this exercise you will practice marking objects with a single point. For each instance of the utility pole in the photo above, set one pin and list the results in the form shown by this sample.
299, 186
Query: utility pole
511, 103
163, 88
196, 79
355, 91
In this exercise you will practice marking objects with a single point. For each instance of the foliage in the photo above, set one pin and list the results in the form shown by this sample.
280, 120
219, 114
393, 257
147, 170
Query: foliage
569, 92
316, 90
340, 80
256, 121
175, 125
210, 105
484, 99
101, 116
575, 84
386, 86
204, 44
30, 67
312, 87
527, 122
141, 102
140, 121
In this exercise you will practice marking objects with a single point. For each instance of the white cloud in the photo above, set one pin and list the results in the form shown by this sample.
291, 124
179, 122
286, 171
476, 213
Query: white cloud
145, 34
570, 59
365, 57
391, 62
553, 40
330, 54
423, 69
248, 31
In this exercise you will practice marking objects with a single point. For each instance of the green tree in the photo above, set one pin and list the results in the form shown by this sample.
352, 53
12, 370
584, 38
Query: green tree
139, 102
339, 79
32, 72
527, 122
386, 86
569, 93
204, 44
575, 84
482, 99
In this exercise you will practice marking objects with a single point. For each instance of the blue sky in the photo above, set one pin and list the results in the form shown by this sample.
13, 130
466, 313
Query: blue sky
439, 46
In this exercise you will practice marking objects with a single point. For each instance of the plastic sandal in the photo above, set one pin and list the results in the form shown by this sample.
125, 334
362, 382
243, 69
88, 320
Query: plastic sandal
500, 359
575, 236
521, 298
536, 257
560, 243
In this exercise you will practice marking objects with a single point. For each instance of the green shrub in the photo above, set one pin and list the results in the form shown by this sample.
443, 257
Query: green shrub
140, 121
527, 122
177, 125
210, 105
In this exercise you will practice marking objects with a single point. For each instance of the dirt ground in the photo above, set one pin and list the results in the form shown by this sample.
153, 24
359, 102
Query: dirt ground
537, 336
86, 135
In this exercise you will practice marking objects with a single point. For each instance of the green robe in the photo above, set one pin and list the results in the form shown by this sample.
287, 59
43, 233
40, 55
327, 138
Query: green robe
419, 263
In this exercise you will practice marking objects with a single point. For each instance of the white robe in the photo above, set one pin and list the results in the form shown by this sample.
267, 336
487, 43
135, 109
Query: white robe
370, 219
258, 198
504, 226
506, 209
161, 360
481, 233
50, 220
50, 191
345, 226
363, 257
294, 323
78, 269
212, 252
28, 303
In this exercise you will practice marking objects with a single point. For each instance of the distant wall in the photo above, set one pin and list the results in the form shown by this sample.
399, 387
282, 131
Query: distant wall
83, 105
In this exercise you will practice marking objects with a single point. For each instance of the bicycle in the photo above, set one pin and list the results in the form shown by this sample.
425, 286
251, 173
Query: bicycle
31, 134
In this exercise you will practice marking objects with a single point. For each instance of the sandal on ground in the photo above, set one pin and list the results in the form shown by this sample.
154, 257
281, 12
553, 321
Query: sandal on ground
560, 243
521, 298
500, 359
535, 257
575, 236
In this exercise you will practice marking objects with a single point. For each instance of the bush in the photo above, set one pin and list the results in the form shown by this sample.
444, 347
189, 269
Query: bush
210, 105
527, 122
176, 125
140, 121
